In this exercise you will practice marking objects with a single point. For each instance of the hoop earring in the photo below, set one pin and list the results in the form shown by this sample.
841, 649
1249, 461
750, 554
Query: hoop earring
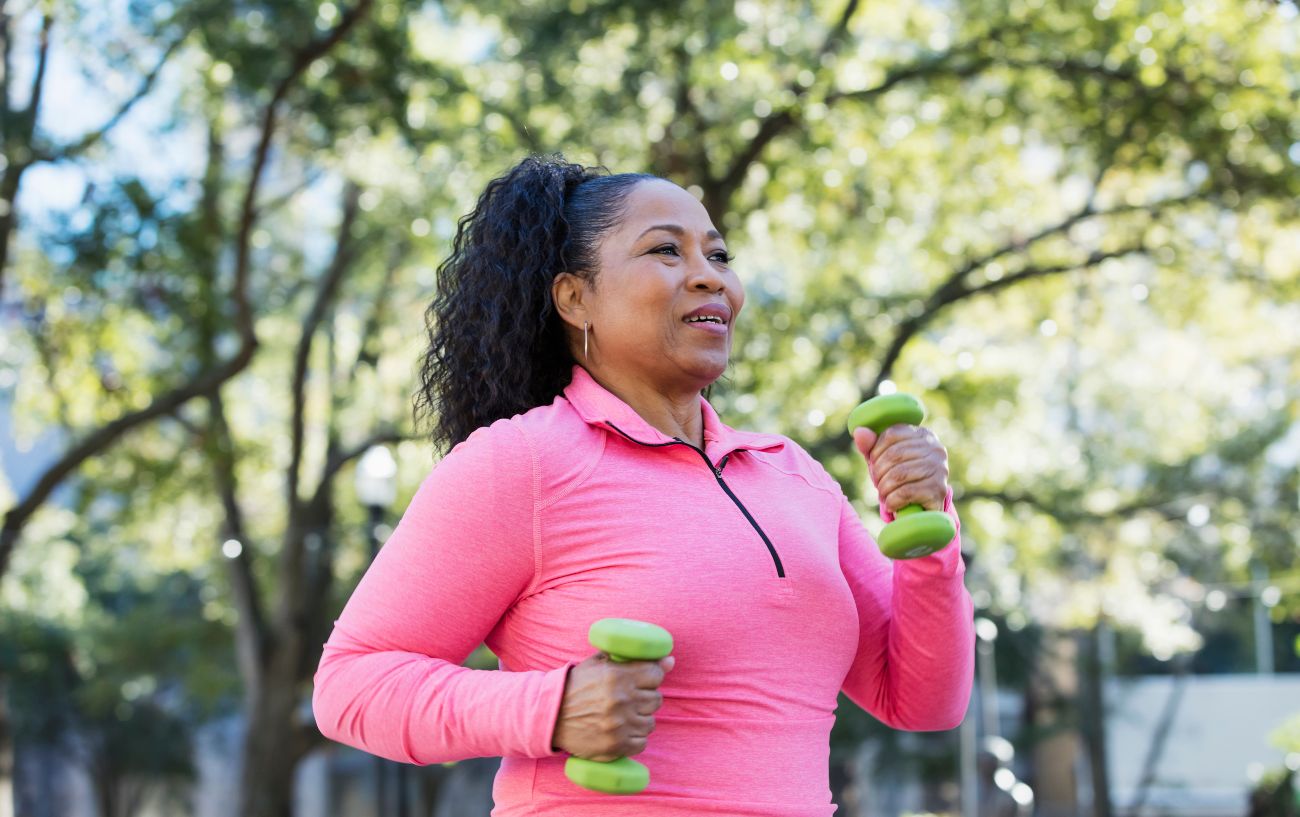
584, 340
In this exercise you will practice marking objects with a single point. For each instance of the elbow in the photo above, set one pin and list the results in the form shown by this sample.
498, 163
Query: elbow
933, 720
327, 720
950, 712
335, 705
942, 720
342, 705
937, 709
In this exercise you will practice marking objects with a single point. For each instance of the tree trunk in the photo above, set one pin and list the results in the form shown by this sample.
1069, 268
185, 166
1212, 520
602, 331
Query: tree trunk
1053, 681
1093, 721
269, 757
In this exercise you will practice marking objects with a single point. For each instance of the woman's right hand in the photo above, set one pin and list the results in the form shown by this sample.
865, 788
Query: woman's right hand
608, 708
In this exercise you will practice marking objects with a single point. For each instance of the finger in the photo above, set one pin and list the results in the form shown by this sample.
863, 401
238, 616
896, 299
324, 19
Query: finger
864, 438
895, 435
929, 494
908, 472
648, 675
649, 701
910, 448
895, 472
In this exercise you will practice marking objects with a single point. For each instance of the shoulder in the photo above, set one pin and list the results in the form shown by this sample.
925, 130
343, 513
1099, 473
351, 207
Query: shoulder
794, 461
550, 444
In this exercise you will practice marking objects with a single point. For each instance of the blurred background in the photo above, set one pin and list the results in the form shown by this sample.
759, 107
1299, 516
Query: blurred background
1071, 227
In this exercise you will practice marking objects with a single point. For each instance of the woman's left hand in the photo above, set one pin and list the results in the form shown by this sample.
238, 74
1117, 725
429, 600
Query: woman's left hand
907, 464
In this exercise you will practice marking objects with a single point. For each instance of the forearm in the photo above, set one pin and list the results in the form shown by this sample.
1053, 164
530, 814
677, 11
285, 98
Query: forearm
418, 709
931, 653
915, 662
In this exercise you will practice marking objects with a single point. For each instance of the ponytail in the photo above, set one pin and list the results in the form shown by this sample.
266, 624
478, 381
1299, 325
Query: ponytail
497, 347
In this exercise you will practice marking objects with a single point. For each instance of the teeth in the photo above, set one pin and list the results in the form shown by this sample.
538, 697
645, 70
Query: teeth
703, 318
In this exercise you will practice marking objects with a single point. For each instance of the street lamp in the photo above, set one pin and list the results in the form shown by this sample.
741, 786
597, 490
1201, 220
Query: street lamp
986, 633
376, 478
376, 486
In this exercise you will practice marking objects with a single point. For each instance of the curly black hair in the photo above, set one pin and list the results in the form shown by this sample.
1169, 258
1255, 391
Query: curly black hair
497, 346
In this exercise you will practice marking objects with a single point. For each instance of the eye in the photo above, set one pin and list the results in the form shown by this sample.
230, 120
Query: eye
721, 255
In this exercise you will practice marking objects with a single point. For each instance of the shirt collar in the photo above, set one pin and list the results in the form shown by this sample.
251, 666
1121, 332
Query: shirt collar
601, 407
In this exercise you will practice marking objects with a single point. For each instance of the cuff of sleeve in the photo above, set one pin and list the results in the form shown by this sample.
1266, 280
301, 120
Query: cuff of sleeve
552, 699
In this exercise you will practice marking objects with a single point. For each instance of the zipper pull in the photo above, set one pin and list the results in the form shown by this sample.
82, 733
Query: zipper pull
722, 464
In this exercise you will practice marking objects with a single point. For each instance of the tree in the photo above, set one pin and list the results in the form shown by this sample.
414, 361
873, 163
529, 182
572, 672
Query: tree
1067, 228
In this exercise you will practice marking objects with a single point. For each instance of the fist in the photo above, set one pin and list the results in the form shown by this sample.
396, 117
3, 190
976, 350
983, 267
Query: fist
608, 708
908, 466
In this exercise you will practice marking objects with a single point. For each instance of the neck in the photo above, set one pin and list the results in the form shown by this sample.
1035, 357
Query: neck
675, 413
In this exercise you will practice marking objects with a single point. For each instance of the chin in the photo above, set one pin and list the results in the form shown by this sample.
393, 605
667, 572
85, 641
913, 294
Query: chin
708, 371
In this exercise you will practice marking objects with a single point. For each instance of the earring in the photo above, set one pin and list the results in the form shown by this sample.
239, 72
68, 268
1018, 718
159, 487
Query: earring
584, 340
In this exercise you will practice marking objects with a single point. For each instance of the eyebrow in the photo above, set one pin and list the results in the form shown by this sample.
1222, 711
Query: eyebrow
676, 229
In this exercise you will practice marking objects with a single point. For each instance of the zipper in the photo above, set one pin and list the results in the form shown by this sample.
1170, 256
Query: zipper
717, 475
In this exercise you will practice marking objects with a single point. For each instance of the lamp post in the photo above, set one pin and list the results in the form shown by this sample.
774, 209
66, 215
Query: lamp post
376, 486
986, 633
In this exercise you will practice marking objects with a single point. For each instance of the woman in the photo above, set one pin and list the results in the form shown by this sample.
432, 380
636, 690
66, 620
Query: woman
577, 321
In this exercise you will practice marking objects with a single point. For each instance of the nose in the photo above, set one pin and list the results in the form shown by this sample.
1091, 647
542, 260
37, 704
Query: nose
704, 275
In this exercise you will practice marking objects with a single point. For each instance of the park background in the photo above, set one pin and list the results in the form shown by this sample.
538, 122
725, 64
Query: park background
1071, 227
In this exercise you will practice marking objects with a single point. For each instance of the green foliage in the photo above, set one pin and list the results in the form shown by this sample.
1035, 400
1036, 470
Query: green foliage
1070, 228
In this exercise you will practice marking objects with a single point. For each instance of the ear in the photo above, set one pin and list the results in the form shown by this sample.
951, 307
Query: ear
567, 293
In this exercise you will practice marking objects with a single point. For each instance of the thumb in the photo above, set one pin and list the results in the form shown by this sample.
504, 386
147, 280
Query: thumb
668, 662
865, 439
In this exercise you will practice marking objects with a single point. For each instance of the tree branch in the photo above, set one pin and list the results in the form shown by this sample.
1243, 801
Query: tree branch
275, 202
38, 79
1071, 514
956, 289
90, 139
333, 466
40, 341
16, 518
718, 191
370, 330
251, 636
302, 61
325, 292
6, 63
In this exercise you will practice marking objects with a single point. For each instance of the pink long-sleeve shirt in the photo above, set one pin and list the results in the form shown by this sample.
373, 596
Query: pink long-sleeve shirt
748, 552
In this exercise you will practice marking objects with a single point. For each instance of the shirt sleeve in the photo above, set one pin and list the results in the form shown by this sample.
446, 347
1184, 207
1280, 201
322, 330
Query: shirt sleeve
390, 679
915, 662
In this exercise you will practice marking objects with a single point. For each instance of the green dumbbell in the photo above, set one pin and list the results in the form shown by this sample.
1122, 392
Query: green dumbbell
914, 532
622, 639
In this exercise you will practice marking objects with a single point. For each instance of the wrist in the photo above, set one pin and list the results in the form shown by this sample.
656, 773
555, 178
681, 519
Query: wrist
559, 716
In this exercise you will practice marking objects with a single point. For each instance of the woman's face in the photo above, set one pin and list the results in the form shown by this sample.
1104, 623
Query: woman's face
661, 264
